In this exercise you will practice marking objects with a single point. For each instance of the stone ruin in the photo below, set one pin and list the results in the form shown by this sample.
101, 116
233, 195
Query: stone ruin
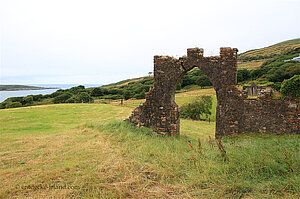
235, 113
255, 90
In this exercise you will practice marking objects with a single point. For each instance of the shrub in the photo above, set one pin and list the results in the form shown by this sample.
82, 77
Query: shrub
276, 86
113, 97
14, 99
203, 81
197, 108
84, 97
47, 96
278, 76
146, 88
148, 81
72, 100
114, 91
3, 105
37, 97
76, 89
62, 98
243, 75
291, 87
127, 95
256, 73
28, 100
96, 92
178, 87
140, 95
188, 80
56, 93
13, 105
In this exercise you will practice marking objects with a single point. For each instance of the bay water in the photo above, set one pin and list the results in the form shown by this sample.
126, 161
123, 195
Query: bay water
22, 93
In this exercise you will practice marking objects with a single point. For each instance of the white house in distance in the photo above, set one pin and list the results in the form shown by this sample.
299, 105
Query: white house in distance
294, 59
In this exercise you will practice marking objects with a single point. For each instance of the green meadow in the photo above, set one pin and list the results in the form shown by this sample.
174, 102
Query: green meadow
88, 151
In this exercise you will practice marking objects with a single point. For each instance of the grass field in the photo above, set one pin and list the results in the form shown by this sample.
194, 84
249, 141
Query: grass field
87, 151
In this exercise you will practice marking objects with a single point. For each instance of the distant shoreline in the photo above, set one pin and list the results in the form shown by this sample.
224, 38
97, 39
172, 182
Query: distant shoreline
26, 89
23, 88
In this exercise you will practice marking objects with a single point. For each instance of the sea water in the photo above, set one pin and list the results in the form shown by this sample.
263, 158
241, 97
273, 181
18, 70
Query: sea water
22, 93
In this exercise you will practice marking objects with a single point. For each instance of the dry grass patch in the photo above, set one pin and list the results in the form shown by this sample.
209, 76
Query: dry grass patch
89, 154
208, 91
251, 65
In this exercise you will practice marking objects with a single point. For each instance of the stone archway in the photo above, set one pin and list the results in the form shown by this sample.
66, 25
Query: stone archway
160, 110
234, 114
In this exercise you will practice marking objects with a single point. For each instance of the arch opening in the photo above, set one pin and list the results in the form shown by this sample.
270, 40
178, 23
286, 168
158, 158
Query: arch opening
189, 91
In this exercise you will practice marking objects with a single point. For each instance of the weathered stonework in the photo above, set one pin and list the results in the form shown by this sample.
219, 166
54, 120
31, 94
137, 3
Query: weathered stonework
235, 113
255, 90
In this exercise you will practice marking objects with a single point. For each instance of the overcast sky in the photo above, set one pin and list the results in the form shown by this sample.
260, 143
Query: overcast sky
87, 41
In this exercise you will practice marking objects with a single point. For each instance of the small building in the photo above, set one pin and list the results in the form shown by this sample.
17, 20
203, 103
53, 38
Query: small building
255, 90
294, 59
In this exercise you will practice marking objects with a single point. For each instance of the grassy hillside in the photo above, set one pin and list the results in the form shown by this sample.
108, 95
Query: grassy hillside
125, 82
86, 150
270, 51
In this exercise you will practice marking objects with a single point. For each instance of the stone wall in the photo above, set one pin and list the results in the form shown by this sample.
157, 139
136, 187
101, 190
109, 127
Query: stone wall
264, 114
270, 115
234, 114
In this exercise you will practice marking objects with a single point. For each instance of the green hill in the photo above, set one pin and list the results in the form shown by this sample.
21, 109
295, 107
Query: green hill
270, 51
125, 82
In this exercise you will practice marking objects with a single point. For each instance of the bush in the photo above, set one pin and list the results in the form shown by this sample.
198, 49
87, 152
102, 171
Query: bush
114, 91
62, 98
276, 86
243, 75
3, 105
278, 76
203, 81
113, 97
13, 105
291, 87
28, 100
188, 79
14, 99
56, 93
47, 96
254, 74
96, 92
148, 81
127, 95
140, 95
37, 97
199, 107
72, 100
178, 87
84, 97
